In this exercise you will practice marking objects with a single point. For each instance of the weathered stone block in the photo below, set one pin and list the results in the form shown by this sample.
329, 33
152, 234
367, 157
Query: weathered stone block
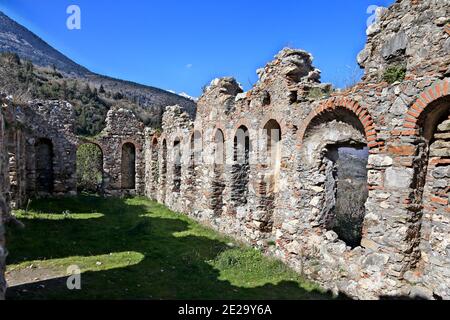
398, 177
291, 226
294, 247
440, 152
375, 177
380, 161
395, 45
444, 126
331, 236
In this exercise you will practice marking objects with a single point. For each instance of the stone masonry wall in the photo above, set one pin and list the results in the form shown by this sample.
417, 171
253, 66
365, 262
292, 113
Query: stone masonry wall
51, 123
289, 194
38, 149
256, 165
122, 127
4, 205
54, 123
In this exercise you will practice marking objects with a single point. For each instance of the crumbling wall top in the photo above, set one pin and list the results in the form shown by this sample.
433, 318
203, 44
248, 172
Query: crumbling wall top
413, 35
122, 122
292, 64
175, 118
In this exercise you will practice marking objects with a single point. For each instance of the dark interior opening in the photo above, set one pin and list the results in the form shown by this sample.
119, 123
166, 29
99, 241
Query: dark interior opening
44, 166
240, 171
346, 191
128, 166
177, 166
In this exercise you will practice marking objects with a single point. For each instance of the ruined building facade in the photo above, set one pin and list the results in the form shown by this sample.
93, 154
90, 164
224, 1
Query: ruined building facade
39, 146
276, 188
266, 166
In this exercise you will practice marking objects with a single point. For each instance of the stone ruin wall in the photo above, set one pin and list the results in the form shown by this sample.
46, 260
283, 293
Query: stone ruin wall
52, 123
123, 128
4, 205
404, 249
38, 156
282, 206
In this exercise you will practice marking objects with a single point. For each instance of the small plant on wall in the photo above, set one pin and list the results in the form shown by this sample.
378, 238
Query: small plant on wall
394, 73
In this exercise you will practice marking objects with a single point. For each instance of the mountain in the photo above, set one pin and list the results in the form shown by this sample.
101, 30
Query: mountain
17, 39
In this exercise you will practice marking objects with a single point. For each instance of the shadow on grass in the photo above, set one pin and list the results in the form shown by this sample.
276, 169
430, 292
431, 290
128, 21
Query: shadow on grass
172, 267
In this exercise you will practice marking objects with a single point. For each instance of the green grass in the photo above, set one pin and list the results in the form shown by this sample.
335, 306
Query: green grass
137, 249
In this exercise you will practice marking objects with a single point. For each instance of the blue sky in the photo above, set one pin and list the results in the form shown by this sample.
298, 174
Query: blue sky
182, 45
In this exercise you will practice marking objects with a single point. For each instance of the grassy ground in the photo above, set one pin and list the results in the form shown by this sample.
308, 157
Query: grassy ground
137, 249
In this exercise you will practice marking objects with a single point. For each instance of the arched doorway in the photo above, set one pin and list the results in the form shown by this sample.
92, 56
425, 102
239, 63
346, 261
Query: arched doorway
333, 161
154, 167
176, 166
432, 188
128, 166
89, 169
240, 171
44, 167
218, 182
267, 187
272, 131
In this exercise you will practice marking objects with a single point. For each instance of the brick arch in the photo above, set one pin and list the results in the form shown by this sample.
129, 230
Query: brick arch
177, 136
196, 129
87, 141
246, 123
422, 104
241, 122
161, 140
136, 145
347, 104
240, 125
191, 137
214, 132
183, 143
279, 119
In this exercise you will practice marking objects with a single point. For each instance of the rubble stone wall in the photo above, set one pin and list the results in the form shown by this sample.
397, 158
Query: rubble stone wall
38, 149
123, 130
52, 123
290, 190
258, 165
4, 205
51, 148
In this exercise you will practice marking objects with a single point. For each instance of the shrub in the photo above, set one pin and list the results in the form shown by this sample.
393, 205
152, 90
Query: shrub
318, 93
89, 168
394, 74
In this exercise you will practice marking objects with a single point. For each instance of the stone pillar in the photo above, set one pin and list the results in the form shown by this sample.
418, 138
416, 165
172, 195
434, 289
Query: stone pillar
152, 169
3, 206
390, 220
2, 259
163, 170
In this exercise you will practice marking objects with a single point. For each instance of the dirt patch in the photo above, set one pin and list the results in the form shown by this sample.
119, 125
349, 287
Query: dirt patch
32, 274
